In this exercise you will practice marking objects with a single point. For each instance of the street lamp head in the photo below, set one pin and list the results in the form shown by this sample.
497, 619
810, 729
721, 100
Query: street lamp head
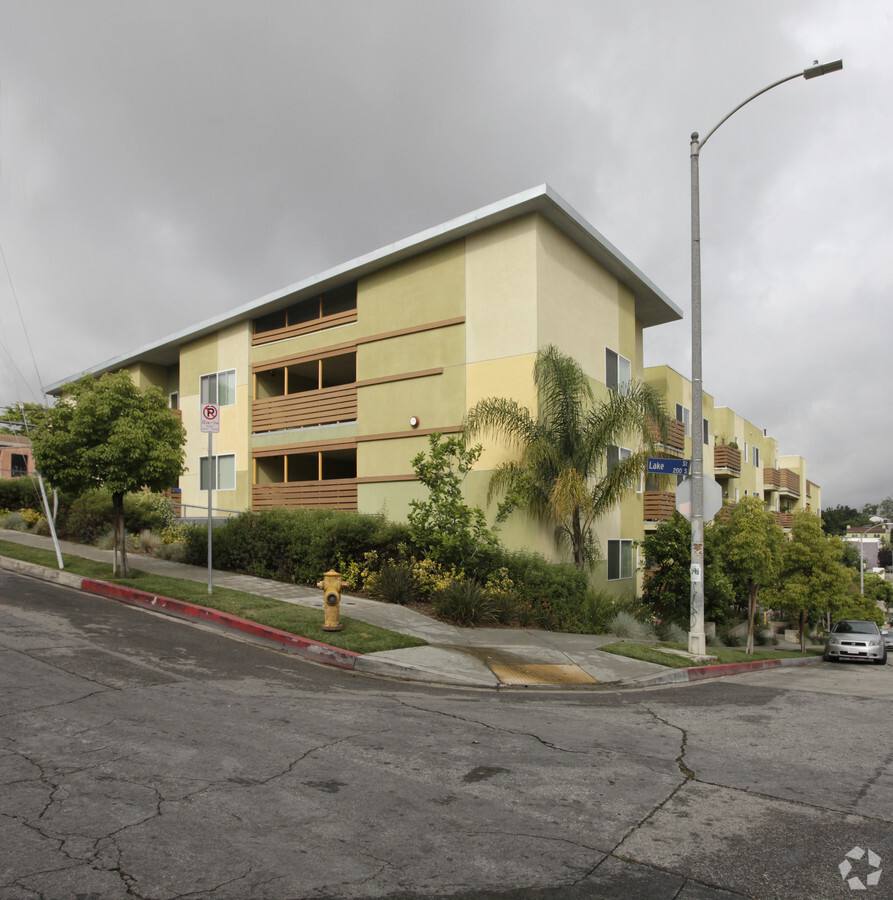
818, 68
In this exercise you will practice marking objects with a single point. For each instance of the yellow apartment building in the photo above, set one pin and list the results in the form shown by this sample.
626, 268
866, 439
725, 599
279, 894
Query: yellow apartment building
742, 457
328, 388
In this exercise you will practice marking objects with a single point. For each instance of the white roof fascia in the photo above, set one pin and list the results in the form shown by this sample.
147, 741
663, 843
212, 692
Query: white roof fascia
653, 307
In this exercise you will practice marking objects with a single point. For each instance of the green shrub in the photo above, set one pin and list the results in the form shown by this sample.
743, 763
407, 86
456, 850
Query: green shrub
20, 493
106, 541
670, 633
625, 625
149, 542
88, 516
395, 582
732, 635
555, 591
464, 602
599, 607
14, 521
293, 545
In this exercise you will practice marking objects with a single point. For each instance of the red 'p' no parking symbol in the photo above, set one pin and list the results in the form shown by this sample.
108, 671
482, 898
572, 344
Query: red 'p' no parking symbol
210, 418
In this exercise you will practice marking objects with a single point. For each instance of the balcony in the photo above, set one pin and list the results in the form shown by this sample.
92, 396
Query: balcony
659, 505
785, 520
336, 493
326, 406
784, 481
675, 439
726, 461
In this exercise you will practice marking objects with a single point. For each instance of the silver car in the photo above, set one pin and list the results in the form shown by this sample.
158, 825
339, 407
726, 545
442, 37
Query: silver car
856, 639
887, 634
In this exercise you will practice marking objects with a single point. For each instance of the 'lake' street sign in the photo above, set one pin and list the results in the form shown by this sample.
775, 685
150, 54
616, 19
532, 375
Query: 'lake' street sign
667, 466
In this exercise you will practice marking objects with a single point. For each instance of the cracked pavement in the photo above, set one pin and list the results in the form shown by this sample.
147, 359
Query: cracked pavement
141, 757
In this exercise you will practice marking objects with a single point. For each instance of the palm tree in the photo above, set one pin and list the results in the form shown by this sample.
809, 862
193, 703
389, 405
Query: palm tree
563, 475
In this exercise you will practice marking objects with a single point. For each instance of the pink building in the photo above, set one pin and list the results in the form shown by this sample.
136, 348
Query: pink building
15, 456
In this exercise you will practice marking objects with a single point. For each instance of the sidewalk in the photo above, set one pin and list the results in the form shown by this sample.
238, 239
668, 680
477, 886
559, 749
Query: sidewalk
470, 657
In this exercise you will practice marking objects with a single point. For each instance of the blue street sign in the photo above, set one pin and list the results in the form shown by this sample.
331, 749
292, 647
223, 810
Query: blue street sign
667, 466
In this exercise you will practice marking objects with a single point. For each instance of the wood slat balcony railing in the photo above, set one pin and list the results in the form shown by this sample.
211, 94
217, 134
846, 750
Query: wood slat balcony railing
727, 459
783, 480
337, 493
322, 407
785, 520
659, 505
675, 439
278, 334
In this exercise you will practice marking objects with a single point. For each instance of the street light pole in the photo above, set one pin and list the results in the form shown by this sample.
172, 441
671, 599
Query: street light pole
697, 641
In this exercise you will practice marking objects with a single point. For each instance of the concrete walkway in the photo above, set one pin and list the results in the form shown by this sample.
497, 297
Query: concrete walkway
472, 657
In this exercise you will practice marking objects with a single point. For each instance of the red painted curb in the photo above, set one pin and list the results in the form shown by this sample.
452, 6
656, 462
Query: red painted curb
698, 673
302, 646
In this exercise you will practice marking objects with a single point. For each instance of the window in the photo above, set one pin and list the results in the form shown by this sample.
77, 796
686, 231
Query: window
173, 400
223, 473
706, 432
621, 560
683, 415
745, 451
219, 388
756, 457
618, 371
615, 454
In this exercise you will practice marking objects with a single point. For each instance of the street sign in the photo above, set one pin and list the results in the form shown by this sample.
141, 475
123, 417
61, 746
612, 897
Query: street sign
712, 498
210, 419
667, 466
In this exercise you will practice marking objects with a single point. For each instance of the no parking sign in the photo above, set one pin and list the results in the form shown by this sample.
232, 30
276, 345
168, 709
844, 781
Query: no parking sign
210, 419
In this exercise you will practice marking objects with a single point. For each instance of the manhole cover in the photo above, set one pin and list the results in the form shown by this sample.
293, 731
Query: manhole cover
541, 674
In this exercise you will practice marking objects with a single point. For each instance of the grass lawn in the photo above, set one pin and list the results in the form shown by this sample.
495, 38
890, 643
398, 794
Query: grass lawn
356, 636
652, 653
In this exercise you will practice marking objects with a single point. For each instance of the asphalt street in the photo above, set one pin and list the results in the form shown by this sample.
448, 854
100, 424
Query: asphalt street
145, 757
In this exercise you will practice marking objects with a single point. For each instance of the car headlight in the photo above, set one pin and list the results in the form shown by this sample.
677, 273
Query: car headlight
874, 643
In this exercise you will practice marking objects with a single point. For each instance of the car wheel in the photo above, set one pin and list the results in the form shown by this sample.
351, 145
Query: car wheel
882, 661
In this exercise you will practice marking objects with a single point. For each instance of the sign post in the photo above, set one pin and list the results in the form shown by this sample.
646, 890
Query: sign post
210, 426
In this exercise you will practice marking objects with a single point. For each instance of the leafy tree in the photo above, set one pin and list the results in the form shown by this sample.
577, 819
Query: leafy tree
450, 532
562, 476
19, 418
835, 519
852, 558
750, 545
878, 589
885, 508
105, 433
667, 586
812, 577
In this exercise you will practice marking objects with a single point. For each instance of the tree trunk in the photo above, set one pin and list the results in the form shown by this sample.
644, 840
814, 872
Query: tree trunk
121, 533
752, 592
577, 538
114, 535
803, 631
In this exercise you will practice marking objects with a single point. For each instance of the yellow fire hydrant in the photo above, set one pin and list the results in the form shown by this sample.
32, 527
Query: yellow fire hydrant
331, 587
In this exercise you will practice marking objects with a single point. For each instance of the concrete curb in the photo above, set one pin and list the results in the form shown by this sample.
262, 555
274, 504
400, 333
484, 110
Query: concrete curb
390, 668
701, 673
300, 646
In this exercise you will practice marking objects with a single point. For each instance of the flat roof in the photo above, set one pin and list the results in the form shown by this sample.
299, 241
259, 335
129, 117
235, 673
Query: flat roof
653, 307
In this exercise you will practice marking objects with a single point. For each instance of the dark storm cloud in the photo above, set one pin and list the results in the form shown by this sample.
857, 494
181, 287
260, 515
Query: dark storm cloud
162, 163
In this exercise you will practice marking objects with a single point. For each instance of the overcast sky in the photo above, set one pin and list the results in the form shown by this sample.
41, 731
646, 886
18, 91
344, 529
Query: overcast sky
163, 162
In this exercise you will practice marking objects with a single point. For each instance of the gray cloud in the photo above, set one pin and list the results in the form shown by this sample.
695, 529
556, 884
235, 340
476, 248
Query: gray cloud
162, 163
